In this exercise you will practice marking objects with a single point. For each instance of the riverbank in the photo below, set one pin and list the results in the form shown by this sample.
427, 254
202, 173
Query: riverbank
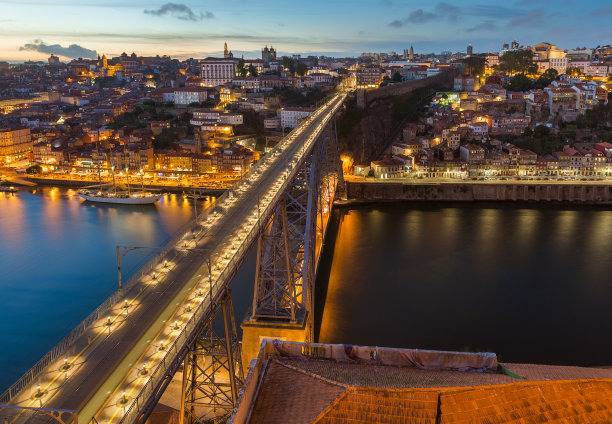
592, 193
164, 188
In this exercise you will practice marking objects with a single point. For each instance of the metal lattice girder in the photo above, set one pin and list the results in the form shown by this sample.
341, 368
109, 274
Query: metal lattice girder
287, 249
212, 371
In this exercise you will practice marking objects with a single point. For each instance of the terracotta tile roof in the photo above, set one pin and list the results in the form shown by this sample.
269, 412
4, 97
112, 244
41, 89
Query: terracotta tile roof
385, 376
292, 396
582, 401
359, 385
367, 405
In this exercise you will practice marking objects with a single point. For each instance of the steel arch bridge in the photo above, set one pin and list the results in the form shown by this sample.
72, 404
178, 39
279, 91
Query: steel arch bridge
116, 364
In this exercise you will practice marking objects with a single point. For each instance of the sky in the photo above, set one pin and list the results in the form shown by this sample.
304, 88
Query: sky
32, 29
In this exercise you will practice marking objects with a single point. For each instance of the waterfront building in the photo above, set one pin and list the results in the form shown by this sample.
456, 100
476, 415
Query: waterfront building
389, 168
15, 144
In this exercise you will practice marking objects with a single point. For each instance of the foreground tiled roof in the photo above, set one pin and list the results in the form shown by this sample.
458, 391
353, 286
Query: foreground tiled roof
582, 401
331, 392
290, 396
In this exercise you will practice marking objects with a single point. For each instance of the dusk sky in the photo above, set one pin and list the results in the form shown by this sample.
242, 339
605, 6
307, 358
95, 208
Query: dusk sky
31, 29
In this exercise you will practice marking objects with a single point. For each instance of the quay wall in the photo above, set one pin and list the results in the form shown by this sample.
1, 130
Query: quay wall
586, 194
164, 188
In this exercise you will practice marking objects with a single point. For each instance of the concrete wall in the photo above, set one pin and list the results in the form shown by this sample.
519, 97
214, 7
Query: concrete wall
365, 97
600, 194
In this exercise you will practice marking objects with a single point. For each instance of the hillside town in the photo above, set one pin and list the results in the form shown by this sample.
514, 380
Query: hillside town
524, 111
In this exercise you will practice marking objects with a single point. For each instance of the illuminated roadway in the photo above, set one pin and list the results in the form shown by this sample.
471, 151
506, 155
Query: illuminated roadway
111, 369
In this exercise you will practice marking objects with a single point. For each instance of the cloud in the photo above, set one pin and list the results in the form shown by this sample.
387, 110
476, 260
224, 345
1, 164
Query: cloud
180, 11
73, 51
484, 26
602, 11
533, 17
416, 17
450, 12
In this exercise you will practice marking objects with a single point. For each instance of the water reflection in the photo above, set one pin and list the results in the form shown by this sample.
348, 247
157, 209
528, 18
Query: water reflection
58, 263
509, 280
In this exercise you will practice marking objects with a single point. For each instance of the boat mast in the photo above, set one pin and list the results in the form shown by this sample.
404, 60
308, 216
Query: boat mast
142, 181
127, 176
98, 156
114, 184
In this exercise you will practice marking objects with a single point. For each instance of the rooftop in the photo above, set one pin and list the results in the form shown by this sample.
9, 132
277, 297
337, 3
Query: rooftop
316, 383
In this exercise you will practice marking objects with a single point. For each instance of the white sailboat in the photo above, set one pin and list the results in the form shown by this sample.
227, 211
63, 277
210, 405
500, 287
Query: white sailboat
100, 195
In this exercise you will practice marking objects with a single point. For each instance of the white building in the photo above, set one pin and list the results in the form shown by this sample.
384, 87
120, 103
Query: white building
186, 95
559, 64
202, 116
230, 118
216, 71
291, 116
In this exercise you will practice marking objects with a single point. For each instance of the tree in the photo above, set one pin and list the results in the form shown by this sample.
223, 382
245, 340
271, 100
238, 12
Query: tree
302, 69
518, 61
541, 131
547, 77
397, 77
573, 72
520, 82
289, 64
385, 81
475, 64
240, 69
252, 71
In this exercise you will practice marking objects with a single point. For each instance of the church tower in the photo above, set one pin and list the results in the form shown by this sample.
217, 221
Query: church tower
104, 61
411, 54
225, 51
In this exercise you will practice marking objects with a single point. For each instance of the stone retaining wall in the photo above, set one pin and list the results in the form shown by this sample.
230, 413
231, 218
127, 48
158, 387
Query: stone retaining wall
596, 194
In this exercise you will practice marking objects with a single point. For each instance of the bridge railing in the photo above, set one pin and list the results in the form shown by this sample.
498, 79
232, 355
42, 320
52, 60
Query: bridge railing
61, 347
169, 358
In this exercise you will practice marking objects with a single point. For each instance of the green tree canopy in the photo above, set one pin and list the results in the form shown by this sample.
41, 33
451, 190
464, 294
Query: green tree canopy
289, 64
475, 64
240, 69
549, 76
302, 69
518, 61
541, 131
397, 77
252, 70
573, 72
520, 82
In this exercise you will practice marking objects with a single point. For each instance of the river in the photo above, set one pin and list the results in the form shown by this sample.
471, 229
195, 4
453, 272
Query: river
58, 263
533, 285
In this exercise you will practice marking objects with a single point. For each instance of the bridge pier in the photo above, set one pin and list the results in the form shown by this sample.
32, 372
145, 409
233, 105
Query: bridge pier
288, 251
212, 371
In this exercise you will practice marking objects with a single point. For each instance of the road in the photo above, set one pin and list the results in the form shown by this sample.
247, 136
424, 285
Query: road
115, 364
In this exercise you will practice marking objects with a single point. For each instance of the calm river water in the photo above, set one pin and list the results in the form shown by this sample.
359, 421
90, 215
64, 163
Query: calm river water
530, 284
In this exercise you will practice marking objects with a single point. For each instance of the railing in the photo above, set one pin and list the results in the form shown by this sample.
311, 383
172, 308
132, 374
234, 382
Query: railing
100, 311
61, 347
169, 358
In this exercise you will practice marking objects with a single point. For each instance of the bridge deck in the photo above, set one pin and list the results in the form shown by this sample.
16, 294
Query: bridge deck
116, 363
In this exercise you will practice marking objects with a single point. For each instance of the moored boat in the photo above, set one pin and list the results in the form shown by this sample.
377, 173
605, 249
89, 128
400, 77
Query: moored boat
119, 197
